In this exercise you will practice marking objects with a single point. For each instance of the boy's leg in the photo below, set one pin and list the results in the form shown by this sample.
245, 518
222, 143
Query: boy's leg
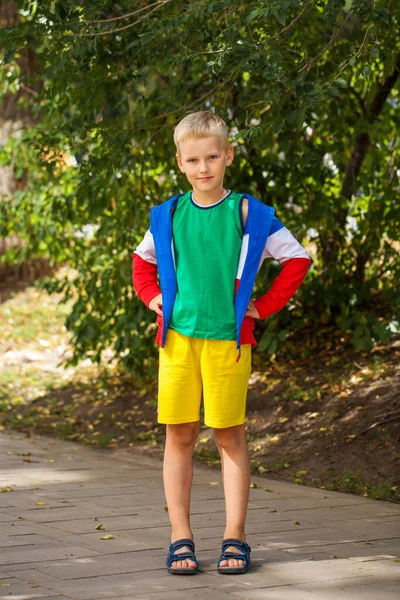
178, 475
225, 384
232, 446
179, 398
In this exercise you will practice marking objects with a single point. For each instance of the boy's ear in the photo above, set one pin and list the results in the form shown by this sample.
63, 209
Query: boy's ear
230, 153
179, 161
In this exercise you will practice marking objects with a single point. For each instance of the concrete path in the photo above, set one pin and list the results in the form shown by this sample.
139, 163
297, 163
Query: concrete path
308, 544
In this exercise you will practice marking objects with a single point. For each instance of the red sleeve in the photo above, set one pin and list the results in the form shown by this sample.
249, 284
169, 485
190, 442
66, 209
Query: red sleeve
283, 288
144, 278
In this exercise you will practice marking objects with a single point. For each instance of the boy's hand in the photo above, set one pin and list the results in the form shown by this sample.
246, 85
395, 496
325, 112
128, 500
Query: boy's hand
156, 304
252, 311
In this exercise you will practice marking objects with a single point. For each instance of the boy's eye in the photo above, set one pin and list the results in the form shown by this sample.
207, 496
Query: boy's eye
192, 160
214, 156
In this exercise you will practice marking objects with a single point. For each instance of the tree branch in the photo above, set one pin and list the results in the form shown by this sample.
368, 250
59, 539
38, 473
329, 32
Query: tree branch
299, 16
158, 6
135, 12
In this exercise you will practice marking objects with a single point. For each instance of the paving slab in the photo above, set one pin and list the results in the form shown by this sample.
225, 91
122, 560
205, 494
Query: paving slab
306, 543
13, 587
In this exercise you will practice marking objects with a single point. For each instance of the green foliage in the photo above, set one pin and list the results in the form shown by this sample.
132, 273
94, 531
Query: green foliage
296, 83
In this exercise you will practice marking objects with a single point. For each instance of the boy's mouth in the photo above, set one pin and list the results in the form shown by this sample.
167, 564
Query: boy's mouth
204, 178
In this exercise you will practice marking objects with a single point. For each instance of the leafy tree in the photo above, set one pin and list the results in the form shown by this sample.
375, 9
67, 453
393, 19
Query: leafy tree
310, 92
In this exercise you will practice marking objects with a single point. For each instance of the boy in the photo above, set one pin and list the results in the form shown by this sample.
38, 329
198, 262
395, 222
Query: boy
207, 246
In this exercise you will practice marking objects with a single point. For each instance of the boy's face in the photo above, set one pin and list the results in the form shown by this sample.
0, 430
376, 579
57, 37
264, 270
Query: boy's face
204, 162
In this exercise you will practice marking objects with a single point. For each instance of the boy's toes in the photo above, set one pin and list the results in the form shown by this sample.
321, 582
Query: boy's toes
232, 562
187, 563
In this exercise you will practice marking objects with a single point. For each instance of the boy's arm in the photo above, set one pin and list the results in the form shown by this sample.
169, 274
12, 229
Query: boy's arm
283, 246
144, 273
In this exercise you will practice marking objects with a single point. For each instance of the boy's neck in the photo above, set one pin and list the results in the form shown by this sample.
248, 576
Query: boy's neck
207, 198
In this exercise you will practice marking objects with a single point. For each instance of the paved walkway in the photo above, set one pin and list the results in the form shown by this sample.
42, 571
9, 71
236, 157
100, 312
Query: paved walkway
308, 544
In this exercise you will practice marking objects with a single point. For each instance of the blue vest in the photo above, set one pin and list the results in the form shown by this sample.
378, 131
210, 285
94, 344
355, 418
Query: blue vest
258, 226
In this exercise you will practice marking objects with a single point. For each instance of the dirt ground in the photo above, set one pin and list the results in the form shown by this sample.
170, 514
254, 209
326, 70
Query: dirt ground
343, 435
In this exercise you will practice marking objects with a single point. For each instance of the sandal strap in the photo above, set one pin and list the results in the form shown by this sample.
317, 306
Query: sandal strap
236, 543
180, 543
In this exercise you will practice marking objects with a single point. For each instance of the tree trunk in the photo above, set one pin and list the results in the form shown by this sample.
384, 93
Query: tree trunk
332, 244
13, 119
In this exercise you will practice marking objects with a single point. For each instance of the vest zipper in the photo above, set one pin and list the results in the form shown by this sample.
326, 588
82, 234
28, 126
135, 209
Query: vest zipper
239, 352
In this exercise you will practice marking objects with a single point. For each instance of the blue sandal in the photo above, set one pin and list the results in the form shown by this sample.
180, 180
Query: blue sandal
245, 556
172, 556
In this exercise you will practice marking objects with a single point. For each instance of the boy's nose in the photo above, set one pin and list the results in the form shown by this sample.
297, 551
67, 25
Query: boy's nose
203, 167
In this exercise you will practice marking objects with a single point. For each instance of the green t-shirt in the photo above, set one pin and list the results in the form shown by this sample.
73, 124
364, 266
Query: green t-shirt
207, 243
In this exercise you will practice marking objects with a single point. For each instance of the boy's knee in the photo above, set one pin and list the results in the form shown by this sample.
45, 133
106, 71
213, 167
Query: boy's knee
230, 437
184, 434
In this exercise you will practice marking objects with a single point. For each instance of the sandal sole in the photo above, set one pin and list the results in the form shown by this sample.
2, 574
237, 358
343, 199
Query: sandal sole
183, 571
232, 570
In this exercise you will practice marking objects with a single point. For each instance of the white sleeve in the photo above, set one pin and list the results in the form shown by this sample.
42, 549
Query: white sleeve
282, 245
146, 248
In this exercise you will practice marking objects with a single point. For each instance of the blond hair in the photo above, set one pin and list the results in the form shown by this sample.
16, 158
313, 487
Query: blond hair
200, 125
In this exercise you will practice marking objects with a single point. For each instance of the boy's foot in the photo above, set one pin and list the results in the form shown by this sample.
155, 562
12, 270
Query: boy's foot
188, 565
230, 561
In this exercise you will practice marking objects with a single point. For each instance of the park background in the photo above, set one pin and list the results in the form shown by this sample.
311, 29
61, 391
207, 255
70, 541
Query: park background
90, 94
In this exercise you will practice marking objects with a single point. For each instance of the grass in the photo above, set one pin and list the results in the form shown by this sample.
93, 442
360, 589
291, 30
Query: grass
357, 484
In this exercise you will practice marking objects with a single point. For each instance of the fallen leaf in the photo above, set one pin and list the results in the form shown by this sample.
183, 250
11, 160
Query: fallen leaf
203, 440
6, 489
40, 503
254, 485
267, 490
262, 469
296, 523
62, 500
213, 482
108, 536
100, 526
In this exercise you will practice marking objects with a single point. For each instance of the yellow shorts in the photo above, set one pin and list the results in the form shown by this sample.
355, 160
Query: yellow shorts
194, 367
